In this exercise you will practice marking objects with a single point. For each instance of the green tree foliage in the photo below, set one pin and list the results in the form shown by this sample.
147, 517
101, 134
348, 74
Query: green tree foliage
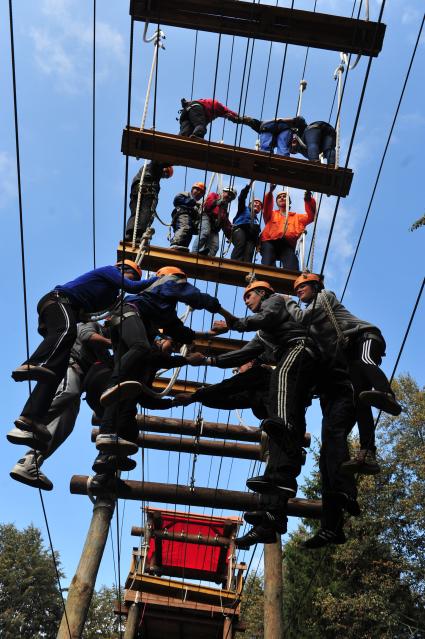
418, 223
374, 585
102, 622
30, 603
252, 607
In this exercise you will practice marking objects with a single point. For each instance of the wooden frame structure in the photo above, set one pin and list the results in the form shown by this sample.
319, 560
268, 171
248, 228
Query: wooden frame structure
265, 22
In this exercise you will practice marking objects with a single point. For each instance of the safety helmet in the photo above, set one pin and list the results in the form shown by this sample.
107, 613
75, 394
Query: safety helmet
286, 196
257, 284
257, 199
168, 171
229, 189
199, 185
170, 270
308, 277
129, 264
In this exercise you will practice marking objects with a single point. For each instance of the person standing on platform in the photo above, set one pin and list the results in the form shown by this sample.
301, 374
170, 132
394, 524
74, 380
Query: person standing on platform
246, 228
185, 216
195, 115
283, 228
319, 137
214, 218
277, 134
154, 173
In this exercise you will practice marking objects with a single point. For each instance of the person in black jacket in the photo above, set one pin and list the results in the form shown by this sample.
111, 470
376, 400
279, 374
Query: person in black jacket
185, 216
246, 228
318, 137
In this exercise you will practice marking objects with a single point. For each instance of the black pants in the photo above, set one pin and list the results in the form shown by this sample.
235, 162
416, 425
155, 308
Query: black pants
148, 204
193, 121
364, 357
95, 383
131, 347
272, 250
57, 323
244, 238
289, 395
183, 230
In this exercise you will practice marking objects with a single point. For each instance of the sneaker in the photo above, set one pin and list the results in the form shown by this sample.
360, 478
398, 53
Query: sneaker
383, 401
121, 392
273, 483
347, 503
38, 429
279, 432
324, 537
25, 438
104, 481
364, 463
177, 247
111, 463
34, 373
257, 535
27, 471
267, 518
112, 444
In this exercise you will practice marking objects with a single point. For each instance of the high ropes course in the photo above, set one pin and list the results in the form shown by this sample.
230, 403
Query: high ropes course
187, 573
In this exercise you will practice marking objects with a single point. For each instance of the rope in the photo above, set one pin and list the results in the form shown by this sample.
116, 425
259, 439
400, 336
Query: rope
94, 138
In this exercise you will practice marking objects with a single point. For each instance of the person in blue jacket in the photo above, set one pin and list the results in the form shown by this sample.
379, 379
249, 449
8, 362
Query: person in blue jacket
246, 228
58, 314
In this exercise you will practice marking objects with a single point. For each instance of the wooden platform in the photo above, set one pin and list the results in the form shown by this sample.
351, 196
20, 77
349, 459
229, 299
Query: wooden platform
217, 345
242, 162
181, 386
265, 22
213, 269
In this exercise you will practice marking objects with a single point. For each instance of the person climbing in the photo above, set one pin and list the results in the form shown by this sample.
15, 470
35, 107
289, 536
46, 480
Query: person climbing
58, 314
277, 133
195, 115
318, 137
185, 216
246, 227
363, 347
294, 356
90, 349
282, 229
214, 218
154, 173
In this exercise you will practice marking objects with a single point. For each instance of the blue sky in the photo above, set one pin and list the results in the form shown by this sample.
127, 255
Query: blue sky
53, 41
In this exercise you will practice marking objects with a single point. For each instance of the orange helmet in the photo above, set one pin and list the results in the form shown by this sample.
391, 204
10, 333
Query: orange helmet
170, 270
129, 264
257, 284
199, 185
308, 277
168, 172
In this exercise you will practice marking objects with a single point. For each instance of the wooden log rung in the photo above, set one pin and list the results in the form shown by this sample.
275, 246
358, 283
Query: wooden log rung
185, 538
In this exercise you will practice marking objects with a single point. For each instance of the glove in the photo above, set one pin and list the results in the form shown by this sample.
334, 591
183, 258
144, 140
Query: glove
307, 196
252, 122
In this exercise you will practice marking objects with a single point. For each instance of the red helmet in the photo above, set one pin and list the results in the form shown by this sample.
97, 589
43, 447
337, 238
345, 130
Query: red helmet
257, 284
308, 277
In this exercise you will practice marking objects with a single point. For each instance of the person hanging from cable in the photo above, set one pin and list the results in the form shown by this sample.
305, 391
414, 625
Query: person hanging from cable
214, 218
318, 138
283, 228
195, 115
154, 173
295, 358
363, 347
185, 216
89, 369
277, 133
58, 314
133, 329
246, 227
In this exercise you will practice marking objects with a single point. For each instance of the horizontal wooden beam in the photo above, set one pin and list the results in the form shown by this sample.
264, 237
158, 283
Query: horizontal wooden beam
176, 426
200, 540
217, 345
213, 269
180, 386
159, 601
265, 22
207, 497
237, 161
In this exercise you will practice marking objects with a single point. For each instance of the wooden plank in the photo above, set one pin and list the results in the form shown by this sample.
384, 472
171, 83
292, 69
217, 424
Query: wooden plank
265, 22
183, 537
181, 386
242, 162
160, 601
217, 345
213, 269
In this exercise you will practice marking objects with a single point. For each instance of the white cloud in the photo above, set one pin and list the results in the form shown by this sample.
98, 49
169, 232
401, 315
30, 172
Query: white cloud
410, 15
8, 185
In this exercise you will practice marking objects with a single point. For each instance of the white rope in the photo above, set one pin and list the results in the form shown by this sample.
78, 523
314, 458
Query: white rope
300, 249
302, 88
338, 76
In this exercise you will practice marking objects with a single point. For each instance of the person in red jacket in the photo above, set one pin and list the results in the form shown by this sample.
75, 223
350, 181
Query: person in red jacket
196, 114
283, 228
214, 218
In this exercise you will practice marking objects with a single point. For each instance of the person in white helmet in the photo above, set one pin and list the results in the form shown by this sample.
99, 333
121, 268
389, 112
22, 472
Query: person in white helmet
214, 218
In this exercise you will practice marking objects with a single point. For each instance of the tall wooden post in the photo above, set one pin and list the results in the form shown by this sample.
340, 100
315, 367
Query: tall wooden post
133, 620
273, 591
83, 582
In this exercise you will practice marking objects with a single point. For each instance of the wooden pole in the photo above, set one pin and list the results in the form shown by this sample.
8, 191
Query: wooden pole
273, 591
184, 537
133, 620
83, 582
228, 628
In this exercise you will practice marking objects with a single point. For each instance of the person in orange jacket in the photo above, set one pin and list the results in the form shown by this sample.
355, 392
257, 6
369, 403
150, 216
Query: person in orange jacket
283, 228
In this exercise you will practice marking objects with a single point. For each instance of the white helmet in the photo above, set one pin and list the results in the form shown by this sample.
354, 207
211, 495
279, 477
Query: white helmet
233, 192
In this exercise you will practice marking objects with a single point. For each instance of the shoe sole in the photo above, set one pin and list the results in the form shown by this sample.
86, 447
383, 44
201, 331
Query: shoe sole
40, 435
111, 448
102, 468
33, 376
267, 489
27, 440
381, 403
360, 469
33, 483
120, 394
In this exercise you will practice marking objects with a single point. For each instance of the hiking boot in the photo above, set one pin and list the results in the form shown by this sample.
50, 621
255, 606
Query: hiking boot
38, 429
383, 401
273, 483
257, 535
112, 444
25, 438
120, 392
111, 463
34, 373
267, 518
363, 463
347, 503
324, 537
27, 471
